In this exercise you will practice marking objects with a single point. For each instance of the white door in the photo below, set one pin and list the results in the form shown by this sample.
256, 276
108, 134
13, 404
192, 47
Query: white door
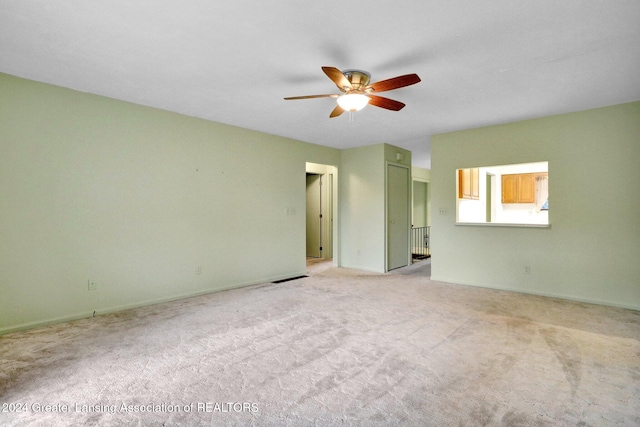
314, 212
397, 217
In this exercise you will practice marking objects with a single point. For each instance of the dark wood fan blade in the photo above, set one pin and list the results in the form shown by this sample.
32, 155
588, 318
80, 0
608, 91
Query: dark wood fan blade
387, 103
394, 83
336, 112
338, 78
311, 97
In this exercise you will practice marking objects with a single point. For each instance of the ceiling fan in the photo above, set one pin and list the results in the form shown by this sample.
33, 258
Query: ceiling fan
357, 92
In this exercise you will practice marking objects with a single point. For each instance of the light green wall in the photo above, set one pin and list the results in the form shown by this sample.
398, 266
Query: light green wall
397, 155
591, 251
362, 204
361, 200
149, 205
421, 174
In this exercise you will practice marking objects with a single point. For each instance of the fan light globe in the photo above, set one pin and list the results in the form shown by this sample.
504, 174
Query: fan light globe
353, 101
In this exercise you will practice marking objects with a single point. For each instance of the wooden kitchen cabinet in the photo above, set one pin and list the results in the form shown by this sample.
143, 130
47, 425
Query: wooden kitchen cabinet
468, 183
475, 183
519, 188
510, 188
526, 188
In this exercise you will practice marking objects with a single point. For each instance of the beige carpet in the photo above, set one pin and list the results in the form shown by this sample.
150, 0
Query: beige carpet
338, 348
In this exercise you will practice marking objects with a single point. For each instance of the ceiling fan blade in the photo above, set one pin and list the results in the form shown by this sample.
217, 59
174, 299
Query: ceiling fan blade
311, 97
336, 112
394, 83
387, 103
338, 78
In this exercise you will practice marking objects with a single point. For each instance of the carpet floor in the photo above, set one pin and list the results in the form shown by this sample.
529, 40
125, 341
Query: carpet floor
337, 348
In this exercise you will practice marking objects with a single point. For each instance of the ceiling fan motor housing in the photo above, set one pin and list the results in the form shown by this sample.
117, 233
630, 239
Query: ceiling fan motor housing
359, 79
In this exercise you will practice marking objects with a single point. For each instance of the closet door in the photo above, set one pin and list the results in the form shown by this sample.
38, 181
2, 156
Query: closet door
397, 216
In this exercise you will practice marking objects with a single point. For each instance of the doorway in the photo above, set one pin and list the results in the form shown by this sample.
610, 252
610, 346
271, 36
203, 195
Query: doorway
314, 215
420, 221
320, 180
488, 202
420, 202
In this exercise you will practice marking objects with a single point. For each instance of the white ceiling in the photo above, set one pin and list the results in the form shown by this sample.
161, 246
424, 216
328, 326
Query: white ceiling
481, 62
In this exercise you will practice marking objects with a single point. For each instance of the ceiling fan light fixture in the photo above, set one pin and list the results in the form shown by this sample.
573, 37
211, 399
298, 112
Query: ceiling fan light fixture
353, 101
357, 92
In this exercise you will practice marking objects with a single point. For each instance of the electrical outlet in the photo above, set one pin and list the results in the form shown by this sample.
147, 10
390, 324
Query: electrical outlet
527, 269
199, 270
91, 285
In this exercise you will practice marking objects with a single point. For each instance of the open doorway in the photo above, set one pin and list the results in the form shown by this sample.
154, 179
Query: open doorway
420, 221
320, 181
314, 216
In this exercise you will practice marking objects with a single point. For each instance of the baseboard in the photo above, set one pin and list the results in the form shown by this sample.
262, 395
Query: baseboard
541, 294
108, 310
42, 323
